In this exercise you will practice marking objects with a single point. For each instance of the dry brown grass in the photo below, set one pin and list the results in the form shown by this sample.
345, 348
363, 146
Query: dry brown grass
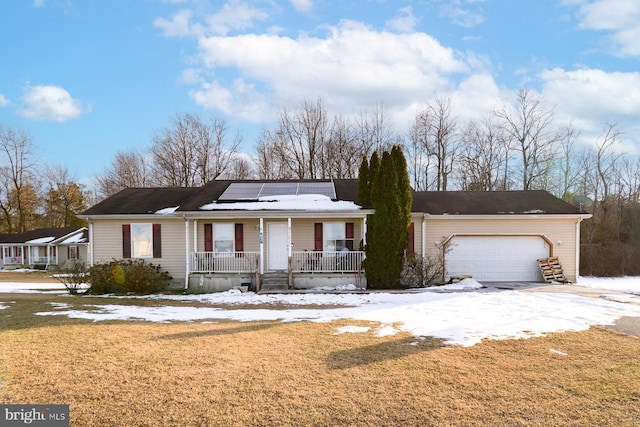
27, 276
272, 373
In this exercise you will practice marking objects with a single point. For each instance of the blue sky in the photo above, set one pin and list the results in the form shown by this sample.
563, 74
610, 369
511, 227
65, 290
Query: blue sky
89, 78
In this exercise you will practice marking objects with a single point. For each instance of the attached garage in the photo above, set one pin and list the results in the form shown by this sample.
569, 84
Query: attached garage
497, 236
496, 258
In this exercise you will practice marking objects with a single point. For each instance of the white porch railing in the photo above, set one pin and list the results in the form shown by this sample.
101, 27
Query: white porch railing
224, 262
43, 260
326, 261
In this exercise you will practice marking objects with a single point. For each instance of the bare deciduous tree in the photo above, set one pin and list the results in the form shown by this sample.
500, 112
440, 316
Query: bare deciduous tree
17, 178
375, 131
128, 169
483, 158
530, 128
192, 152
65, 198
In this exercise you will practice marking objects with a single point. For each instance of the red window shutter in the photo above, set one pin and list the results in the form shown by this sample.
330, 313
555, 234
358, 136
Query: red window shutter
53, 250
208, 237
411, 246
317, 237
348, 234
157, 241
68, 252
239, 238
126, 240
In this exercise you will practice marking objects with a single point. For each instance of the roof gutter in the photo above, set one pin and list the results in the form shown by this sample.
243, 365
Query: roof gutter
503, 216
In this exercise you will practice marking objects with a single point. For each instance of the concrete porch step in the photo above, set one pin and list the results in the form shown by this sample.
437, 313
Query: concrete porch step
274, 282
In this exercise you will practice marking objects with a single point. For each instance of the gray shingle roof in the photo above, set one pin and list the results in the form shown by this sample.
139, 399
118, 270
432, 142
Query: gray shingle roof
39, 233
490, 203
151, 200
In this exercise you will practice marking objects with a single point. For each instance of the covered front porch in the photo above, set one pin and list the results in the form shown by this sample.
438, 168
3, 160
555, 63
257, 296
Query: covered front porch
258, 252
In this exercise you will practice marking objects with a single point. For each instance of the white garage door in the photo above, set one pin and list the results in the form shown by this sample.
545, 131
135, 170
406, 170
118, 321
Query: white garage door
497, 258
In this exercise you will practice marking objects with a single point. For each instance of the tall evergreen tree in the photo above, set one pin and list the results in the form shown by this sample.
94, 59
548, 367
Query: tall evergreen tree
404, 191
387, 228
364, 189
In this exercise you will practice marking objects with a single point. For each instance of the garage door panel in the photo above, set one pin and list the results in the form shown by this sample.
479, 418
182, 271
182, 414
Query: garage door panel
496, 258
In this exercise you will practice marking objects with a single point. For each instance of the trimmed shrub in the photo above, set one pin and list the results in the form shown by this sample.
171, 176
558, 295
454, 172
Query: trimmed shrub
74, 278
127, 276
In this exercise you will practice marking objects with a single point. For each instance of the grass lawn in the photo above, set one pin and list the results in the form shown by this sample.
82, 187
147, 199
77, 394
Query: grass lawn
124, 373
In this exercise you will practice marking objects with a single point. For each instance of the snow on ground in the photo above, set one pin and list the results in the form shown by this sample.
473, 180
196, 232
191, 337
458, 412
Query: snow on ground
463, 313
629, 285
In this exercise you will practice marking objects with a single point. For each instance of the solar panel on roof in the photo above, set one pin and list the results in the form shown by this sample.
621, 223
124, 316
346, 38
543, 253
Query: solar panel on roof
279, 189
242, 191
255, 190
324, 188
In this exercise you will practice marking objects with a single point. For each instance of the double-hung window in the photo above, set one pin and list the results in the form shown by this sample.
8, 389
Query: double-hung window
223, 238
141, 240
334, 236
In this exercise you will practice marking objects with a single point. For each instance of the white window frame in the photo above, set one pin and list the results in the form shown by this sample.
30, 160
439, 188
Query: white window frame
221, 235
141, 240
6, 252
334, 236
73, 252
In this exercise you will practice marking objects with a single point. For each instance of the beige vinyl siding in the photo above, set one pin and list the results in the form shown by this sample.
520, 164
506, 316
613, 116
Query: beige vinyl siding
251, 234
417, 233
560, 232
302, 232
107, 243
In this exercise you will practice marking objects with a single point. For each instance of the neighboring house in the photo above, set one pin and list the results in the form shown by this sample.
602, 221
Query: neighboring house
309, 233
44, 248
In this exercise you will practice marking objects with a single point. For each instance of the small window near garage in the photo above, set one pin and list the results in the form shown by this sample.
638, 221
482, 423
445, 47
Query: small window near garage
223, 237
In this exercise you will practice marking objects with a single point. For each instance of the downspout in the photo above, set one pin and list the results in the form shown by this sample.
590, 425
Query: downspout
289, 253
578, 248
187, 255
424, 243
90, 244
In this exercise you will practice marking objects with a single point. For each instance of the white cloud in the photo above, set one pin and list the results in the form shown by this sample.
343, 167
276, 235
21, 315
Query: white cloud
618, 17
235, 15
38, 3
593, 93
404, 22
51, 103
351, 63
304, 6
240, 100
460, 12
591, 98
178, 25
3, 101
232, 16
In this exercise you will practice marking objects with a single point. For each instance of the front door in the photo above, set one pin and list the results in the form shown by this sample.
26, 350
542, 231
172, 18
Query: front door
277, 250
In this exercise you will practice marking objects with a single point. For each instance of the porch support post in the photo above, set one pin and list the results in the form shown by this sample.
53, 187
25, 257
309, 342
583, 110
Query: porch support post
187, 268
195, 235
289, 245
261, 240
364, 232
